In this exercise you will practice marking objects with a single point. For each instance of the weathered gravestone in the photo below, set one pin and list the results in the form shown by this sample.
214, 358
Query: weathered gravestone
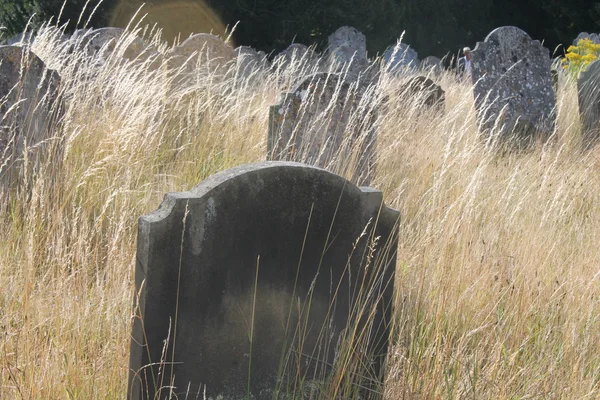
322, 122
249, 62
588, 88
105, 41
29, 108
299, 56
202, 49
347, 55
431, 64
399, 58
247, 265
513, 85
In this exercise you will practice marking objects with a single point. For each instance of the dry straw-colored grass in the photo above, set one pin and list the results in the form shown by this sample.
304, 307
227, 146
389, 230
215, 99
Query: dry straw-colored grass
498, 267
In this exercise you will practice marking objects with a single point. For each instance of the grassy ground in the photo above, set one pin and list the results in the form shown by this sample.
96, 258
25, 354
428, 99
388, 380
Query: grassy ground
498, 266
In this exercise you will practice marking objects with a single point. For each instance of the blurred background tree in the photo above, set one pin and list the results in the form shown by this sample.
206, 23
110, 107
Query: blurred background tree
433, 27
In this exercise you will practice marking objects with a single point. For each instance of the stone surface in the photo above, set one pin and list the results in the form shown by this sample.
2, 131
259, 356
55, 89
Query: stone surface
30, 107
106, 40
594, 37
202, 49
431, 64
256, 237
20, 39
347, 55
249, 61
588, 88
301, 57
513, 85
424, 92
399, 58
346, 43
320, 123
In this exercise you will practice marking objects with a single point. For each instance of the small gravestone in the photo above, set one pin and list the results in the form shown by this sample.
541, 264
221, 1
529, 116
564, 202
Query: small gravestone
297, 56
319, 123
20, 39
249, 61
29, 109
400, 57
424, 92
431, 64
252, 276
513, 85
588, 88
202, 49
347, 55
594, 37
105, 41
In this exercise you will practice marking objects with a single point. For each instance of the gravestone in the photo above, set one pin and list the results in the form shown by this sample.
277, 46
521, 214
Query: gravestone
594, 37
588, 88
301, 57
347, 55
399, 58
20, 39
424, 92
320, 122
106, 40
513, 85
234, 267
202, 49
29, 109
249, 61
431, 64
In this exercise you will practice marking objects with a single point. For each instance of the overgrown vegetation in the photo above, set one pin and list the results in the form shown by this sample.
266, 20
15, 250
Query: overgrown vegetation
579, 56
497, 274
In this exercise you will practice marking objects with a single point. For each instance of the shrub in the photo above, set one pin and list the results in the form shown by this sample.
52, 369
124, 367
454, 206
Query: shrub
579, 56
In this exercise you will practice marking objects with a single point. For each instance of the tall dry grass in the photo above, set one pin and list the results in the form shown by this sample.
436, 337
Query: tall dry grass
498, 266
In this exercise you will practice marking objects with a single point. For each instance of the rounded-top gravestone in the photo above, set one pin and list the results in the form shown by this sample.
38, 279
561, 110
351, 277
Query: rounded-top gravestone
105, 40
248, 282
588, 88
400, 57
348, 42
202, 49
513, 88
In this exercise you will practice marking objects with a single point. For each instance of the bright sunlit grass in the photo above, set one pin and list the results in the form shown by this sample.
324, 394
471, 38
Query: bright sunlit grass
498, 265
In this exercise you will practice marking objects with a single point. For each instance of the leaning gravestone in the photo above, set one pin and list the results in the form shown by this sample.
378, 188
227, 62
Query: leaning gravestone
233, 274
513, 85
399, 58
319, 123
29, 109
588, 88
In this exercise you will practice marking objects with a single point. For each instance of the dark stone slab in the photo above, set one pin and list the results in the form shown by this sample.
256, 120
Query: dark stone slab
197, 267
